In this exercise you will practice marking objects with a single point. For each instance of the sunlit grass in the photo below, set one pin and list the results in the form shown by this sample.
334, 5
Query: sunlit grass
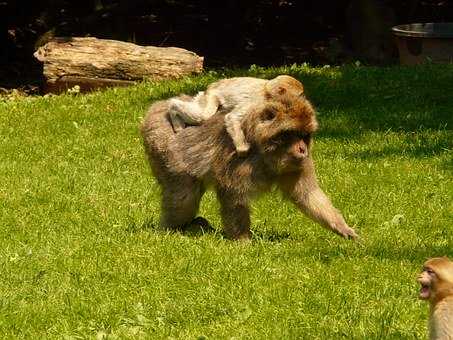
81, 255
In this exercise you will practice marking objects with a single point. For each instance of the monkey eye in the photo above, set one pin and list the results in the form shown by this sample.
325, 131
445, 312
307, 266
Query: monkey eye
429, 271
286, 136
301, 135
268, 114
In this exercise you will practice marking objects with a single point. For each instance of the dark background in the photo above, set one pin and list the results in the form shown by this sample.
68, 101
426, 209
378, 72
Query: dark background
227, 33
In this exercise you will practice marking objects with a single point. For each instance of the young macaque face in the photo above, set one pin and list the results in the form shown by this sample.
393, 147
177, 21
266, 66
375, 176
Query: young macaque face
427, 280
436, 279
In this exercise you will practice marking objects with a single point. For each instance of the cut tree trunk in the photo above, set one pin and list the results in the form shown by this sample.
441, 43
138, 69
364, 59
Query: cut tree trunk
93, 63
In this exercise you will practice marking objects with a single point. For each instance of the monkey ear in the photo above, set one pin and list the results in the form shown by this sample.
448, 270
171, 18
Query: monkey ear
281, 90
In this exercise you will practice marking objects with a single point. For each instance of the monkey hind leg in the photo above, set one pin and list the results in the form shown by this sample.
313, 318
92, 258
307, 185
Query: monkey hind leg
212, 104
180, 203
190, 112
176, 118
235, 215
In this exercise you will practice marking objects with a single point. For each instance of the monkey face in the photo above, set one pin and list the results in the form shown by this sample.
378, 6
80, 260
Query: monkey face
427, 279
294, 143
282, 132
286, 151
436, 279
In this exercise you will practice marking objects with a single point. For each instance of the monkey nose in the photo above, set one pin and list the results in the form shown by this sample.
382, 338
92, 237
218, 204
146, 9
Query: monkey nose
302, 151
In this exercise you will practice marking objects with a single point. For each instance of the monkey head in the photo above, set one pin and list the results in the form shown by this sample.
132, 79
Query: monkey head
282, 131
436, 279
283, 86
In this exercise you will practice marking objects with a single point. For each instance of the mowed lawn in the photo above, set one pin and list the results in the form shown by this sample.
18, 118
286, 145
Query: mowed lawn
81, 254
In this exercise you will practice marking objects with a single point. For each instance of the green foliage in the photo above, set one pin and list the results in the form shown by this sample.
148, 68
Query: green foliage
82, 257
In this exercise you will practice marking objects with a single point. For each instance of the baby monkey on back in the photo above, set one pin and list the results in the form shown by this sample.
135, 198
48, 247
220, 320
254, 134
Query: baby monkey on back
436, 280
235, 96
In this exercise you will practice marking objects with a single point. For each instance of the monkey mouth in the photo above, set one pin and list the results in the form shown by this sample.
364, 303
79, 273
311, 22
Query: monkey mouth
424, 292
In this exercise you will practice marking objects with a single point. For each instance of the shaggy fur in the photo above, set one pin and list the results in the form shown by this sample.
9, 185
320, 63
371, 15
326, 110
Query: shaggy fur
279, 133
236, 96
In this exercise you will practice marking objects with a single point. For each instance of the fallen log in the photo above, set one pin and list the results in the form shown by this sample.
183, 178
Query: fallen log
93, 63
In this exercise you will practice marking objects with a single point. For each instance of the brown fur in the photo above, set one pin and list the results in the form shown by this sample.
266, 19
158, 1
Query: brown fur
436, 280
283, 85
238, 95
187, 162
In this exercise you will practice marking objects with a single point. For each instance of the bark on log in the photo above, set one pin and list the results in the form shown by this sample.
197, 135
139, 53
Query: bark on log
92, 63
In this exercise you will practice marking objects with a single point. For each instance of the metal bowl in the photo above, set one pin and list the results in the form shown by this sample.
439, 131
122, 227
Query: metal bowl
422, 42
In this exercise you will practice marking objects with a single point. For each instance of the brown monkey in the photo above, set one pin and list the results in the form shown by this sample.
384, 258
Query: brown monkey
236, 96
436, 280
280, 134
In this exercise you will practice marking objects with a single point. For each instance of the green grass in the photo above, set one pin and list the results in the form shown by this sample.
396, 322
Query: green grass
81, 255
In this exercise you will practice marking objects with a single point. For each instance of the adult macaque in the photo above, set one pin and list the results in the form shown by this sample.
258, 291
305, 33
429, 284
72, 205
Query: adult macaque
436, 280
236, 96
279, 134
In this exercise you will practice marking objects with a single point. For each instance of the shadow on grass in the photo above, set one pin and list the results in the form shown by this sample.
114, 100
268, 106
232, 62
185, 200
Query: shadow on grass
198, 227
271, 236
138, 227
418, 255
326, 252
414, 147
378, 99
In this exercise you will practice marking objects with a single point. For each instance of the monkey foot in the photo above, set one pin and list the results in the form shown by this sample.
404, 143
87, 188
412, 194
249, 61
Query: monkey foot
349, 233
198, 225
239, 235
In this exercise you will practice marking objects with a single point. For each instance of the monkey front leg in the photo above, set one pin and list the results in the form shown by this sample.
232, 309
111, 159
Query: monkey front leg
317, 205
235, 215
176, 117
304, 191
176, 121
233, 126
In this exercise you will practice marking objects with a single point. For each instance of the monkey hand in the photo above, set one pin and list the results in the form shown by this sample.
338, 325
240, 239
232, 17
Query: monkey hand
341, 228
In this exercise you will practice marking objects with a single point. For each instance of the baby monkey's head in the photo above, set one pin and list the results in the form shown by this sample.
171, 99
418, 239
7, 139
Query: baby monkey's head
436, 279
283, 86
295, 111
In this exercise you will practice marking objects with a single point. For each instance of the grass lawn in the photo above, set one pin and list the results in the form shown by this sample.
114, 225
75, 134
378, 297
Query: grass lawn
81, 255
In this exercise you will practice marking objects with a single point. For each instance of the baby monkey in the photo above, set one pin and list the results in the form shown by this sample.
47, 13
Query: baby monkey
236, 96
436, 280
